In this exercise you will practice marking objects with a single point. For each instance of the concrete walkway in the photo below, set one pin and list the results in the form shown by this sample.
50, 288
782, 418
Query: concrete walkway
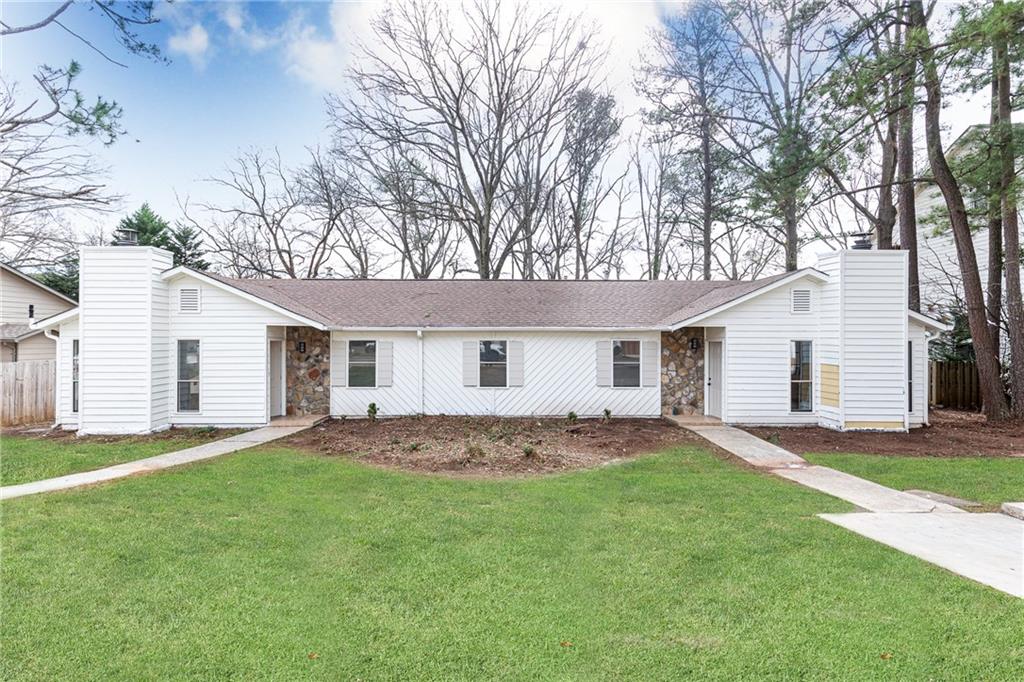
987, 548
150, 464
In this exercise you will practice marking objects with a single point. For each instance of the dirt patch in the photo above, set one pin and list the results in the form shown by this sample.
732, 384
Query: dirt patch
951, 434
490, 446
197, 435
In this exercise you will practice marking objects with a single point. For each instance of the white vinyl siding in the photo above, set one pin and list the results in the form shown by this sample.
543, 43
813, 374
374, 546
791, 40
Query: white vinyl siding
756, 347
234, 347
65, 413
120, 353
827, 348
37, 347
919, 367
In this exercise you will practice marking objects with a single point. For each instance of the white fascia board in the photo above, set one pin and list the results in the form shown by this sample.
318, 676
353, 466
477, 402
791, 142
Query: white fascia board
929, 322
54, 320
182, 271
809, 273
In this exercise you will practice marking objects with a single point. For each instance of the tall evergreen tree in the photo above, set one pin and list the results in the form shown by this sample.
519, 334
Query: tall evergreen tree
184, 241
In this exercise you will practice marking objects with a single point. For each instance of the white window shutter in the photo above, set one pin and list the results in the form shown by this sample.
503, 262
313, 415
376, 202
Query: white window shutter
604, 362
385, 362
339, 361
470, 363
649, 358
515, 363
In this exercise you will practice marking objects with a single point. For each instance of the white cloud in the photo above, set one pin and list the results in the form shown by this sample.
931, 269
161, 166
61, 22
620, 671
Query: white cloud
319, 57
193, 43
242, 29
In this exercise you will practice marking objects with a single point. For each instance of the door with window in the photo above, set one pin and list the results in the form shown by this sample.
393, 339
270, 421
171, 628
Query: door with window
714, 393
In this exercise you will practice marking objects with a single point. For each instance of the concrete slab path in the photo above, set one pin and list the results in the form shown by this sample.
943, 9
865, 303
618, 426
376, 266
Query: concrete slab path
156, 463
747, 447
987, 548
867, 495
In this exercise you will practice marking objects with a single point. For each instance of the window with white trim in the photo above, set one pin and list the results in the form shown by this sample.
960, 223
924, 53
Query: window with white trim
74, 375
493, 364
625, 363
800, 300
362, 364
188, 375
801, 378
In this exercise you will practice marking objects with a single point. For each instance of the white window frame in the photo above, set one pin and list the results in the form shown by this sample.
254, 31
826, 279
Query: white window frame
640, 365
177, 379
910, 376
790, 381
349, 363
76, 372
199, 302
480, 363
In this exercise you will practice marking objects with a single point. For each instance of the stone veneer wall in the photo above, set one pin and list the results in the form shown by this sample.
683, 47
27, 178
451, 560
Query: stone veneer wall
682, 372
308, 374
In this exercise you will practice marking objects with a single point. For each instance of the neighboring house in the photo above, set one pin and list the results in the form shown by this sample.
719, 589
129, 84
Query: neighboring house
938, 262
152, 346
23, 299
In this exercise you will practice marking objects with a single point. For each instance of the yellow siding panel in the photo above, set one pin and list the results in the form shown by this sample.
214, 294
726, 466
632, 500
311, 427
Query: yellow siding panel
830, 385
876, 426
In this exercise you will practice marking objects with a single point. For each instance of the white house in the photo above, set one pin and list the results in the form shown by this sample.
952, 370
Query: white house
152, 346
24, 299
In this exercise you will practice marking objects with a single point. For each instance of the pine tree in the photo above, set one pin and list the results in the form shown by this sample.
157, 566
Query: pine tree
152, 230
63, 277
187, 246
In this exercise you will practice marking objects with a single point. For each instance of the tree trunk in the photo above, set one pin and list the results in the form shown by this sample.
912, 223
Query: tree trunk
792, 239
1011, 233
994, 296
993, 398
707, 179
886, 208
905, 172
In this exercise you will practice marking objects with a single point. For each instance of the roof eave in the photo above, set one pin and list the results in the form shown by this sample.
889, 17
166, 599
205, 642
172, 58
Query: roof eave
54, 320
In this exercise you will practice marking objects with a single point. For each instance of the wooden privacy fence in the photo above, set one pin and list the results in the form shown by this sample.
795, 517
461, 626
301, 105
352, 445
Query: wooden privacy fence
27, 392
954, 385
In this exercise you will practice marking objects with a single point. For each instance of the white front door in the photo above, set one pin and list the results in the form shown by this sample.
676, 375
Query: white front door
276, 378
714, 392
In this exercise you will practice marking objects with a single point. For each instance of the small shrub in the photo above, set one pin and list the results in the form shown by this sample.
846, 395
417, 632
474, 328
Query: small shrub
572, 417
371, 411
607, 415
415, 446
529, 451
204, 430
474, 451
773, 438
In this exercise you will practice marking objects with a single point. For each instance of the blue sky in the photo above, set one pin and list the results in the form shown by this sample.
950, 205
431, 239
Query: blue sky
238, 76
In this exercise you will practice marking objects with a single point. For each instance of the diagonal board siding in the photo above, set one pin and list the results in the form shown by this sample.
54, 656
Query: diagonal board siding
400, 398
559, 376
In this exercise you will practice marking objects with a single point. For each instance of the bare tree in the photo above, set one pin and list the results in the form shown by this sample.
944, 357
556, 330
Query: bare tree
283, 224
657, 174
994, 403
467, 105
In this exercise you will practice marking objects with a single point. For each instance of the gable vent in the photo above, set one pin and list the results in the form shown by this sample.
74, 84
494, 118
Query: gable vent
800, 300
188, 301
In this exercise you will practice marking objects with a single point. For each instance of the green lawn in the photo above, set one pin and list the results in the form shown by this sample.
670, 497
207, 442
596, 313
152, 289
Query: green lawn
27, 458
275, 564
989, 480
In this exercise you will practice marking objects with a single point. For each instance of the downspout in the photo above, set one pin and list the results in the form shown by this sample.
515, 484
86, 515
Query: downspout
419, 344
48, 333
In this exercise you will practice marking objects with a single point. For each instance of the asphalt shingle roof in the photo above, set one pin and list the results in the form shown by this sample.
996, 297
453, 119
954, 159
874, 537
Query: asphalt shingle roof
496, 303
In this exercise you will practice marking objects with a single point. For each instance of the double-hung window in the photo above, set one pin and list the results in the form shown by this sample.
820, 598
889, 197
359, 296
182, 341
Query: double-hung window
801, 382
493, 364
188, 375
362, 364
625, 364
74, 375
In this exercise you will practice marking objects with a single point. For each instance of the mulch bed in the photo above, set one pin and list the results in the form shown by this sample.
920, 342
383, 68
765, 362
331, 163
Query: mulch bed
951, 434
489, 446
